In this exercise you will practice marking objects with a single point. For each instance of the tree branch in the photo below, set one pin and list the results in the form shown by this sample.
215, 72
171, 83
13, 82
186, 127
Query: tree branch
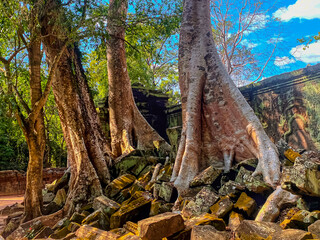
24, 104
42, 101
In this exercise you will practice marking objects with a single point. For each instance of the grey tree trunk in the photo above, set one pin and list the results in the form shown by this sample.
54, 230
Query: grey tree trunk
218, 124
127, 125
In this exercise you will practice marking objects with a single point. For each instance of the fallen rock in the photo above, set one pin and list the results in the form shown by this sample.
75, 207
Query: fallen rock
300, 220
160, 226
99, 217
44, 233
246, 204
118, 184
138, 208
62, 182
253, 184
60, 197
165, 173
222, 207
48, 197
108, 206
205, 232
202, 203
290, 234
234, 220
314, 228
61, 233
77, 218
206, 177
303, 177
168, 192
231, 189
88, 232
251, 230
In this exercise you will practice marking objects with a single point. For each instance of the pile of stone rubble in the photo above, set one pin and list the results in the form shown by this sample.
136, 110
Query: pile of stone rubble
141, 203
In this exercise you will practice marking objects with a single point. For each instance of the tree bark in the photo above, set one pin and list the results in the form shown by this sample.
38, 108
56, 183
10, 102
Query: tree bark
128, 128
218, 124
34, 133
87, 147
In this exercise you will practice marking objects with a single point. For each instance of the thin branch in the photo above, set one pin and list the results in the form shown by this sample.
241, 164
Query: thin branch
24, 104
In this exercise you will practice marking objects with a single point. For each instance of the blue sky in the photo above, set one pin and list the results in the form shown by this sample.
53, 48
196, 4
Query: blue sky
298, 19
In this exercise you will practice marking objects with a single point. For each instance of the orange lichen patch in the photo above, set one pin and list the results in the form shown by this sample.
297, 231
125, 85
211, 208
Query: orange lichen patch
291, 155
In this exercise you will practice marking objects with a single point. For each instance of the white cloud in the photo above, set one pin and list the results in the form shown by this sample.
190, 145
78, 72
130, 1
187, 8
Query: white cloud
307, 9
283, 61
248, 44
311, 54
275, 40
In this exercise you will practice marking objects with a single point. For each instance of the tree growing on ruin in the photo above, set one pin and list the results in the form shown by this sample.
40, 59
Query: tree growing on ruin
218, 123
128, 128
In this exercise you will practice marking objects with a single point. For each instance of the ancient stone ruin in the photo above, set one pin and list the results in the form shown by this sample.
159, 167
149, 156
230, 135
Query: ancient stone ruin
141, 202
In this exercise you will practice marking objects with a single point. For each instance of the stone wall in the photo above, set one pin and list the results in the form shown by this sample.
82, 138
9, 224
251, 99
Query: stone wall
288, 106
13, 182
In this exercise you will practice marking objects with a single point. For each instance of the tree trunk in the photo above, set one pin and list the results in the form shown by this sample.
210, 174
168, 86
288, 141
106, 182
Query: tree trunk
34, 131
87, 147
127, 125
218, 124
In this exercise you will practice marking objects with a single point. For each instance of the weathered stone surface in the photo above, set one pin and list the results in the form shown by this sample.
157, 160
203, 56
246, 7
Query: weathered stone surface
140, 165
60, 197
73, 226
168, 192
70, 236
63, 181
207, 232
231, 188
290, 234
48, 197
133, 210
131, 227
13, 182
206, 219
160, 226
44, 233
303, 177
291, 155
301, 220
61, 223
155, 208
118, 184
165, 173
206, 177
253, 184
61, 233
8, 210
202, 203
88, 232
222, 207
50, 208
77, 218
98, 215
252, 230
246, 204
314, 228
108, 206
234, 220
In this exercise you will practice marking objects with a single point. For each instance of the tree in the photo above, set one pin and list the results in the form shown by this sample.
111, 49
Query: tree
218, 123
88, 150
128, 128
32, 124
232, 22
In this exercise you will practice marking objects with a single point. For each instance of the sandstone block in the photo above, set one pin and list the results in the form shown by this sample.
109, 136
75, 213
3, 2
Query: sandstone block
160, 226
